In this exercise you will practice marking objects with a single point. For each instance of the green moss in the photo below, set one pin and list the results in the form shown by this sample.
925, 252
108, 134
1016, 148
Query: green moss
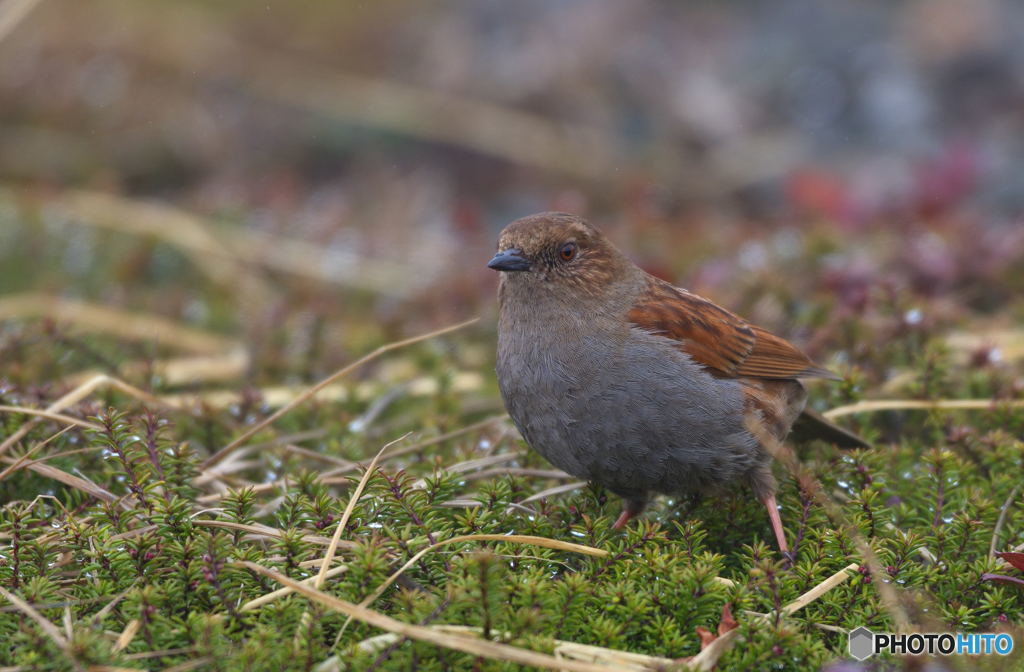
161, 559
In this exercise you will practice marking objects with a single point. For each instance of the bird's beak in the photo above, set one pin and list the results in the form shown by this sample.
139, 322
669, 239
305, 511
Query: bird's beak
509, 260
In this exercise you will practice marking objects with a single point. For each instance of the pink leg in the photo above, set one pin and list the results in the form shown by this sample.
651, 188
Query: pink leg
631, 508
623, 518
773, 515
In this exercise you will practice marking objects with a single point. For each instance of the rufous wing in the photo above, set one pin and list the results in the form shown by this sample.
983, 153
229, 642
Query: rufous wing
722, 342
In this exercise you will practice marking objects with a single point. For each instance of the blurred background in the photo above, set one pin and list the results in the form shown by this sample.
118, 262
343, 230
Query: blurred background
316, 177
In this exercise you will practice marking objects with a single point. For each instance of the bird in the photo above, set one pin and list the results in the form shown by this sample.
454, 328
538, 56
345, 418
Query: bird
620, 378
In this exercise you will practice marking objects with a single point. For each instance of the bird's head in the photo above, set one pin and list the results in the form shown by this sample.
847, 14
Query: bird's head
557, 252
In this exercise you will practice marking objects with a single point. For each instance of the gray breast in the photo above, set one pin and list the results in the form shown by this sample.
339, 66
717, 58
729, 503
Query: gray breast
634, 413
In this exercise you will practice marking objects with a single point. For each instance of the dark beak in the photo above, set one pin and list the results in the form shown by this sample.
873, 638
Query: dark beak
509, 260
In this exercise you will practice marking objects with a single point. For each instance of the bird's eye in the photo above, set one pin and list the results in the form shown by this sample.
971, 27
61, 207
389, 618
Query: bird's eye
567, 252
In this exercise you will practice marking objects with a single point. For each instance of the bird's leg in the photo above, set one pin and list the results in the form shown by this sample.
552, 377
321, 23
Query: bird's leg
773, 515
631, 508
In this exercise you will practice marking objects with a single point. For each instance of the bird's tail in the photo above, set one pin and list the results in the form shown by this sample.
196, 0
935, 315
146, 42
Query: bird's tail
812, 425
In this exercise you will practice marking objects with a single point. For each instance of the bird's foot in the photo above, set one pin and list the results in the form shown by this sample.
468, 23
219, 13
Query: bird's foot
773, 516
631, 509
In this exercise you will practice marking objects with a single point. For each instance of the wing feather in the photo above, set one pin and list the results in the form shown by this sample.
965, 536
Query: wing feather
719, 340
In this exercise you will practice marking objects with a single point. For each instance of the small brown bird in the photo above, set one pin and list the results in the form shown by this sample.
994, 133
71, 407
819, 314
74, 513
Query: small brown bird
620, 378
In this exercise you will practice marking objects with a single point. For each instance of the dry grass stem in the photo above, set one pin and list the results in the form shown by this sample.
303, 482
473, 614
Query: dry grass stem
433, 441
51, 630
469, 465
820, 626
263, 531
109, 606
161, 222
549, 474
277, 396
814, 593
159, 654
310, 392
349, 508
226, 256
76, 395
122, 324
1009, 342
128, 634
708, 658
512, 538
557, 490
1003, 510
322, 457
229, 365
470, 645
77, 482
23, 459
328, 558
47, 415
917, 404
214, 357
190, 665
258, 602
621, 660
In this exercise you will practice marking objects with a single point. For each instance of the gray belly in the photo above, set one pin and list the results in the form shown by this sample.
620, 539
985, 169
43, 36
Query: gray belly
659, 424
